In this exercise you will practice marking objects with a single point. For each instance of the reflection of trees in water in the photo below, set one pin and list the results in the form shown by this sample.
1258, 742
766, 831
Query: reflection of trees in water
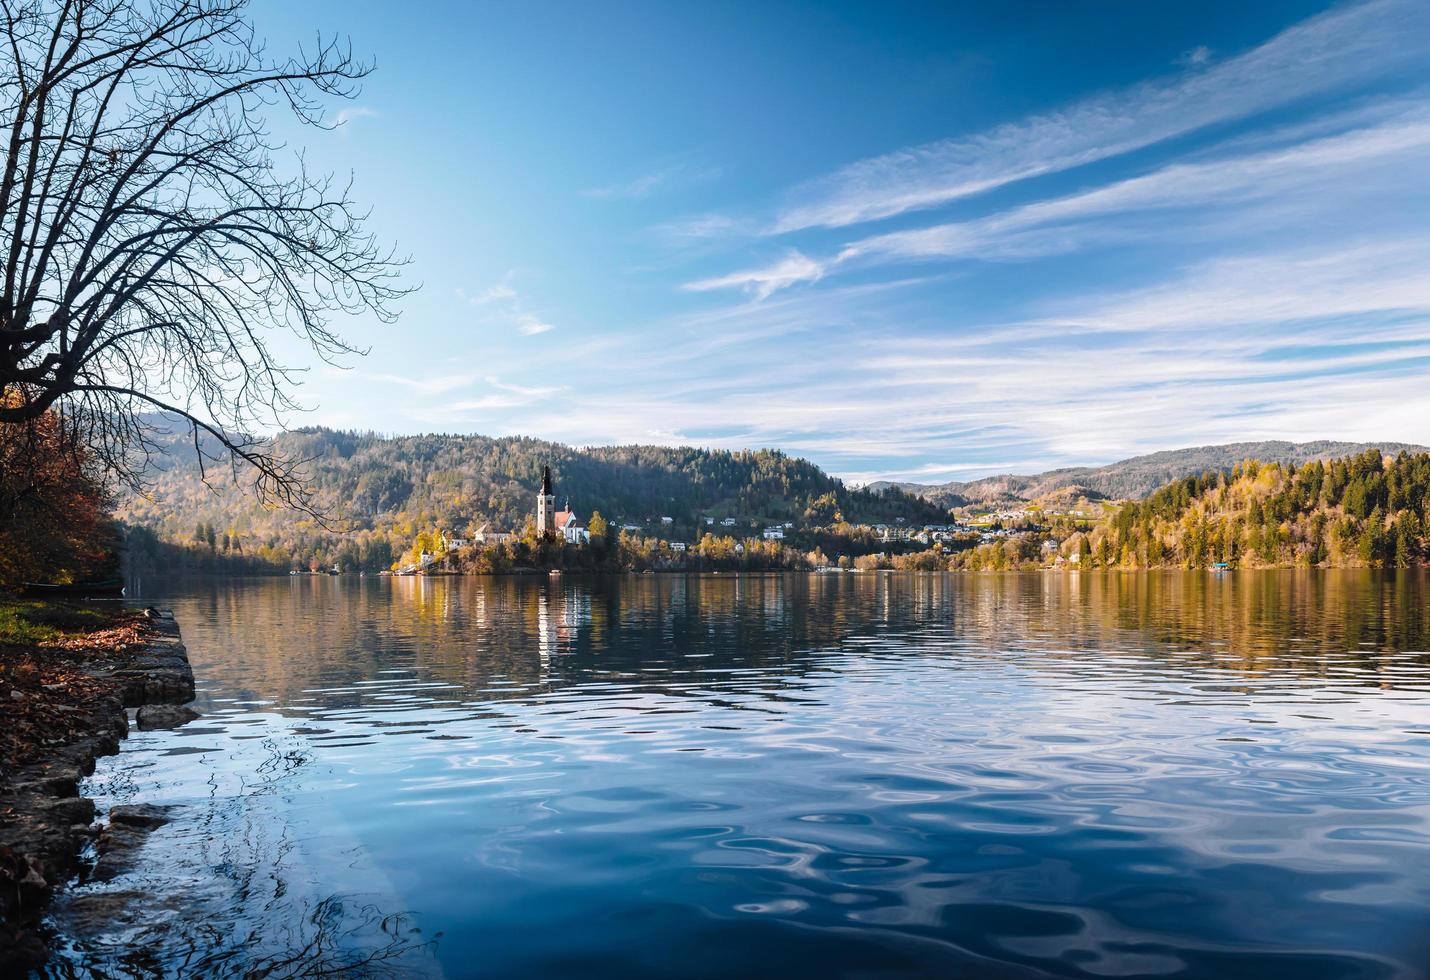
317, 642
322, 944
227, 898
740, 642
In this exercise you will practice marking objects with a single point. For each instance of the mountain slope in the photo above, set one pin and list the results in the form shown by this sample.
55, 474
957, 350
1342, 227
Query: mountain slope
389, 489
1138, 476
1355, 511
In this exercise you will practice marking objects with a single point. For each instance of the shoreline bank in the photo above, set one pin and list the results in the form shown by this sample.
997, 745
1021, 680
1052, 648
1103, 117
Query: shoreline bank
45, 824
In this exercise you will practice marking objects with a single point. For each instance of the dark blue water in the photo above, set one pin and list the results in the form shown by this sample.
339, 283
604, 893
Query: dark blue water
1180, 775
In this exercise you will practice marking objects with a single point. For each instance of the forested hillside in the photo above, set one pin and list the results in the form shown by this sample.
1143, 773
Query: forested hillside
387, 490
1363, 510
1138, 476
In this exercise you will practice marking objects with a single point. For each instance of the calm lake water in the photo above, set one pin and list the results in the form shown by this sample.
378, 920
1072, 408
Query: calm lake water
1173, 775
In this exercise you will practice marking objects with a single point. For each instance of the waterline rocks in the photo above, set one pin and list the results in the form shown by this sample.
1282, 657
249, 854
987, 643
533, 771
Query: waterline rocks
161, 673
45, 824
155, 716
119, 843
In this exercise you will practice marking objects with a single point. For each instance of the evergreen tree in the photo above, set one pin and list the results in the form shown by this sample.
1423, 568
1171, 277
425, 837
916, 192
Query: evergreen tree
1372, 538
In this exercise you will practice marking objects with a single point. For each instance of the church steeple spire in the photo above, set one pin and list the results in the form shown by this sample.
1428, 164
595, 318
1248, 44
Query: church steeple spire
545, 504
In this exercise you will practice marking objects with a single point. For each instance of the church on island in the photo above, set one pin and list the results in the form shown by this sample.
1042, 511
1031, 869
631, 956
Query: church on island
549, 520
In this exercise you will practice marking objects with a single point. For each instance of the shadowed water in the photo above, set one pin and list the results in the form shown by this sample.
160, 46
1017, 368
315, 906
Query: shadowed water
1179, 775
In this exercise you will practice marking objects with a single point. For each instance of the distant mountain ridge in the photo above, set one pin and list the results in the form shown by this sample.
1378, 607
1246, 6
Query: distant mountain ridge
385, 490
1138, 476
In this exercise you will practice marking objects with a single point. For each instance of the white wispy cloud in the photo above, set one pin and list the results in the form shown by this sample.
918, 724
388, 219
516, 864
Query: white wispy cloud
529, 326
1266, 283
1199, 55
1324, 53
664, 178
1284, 288
484, 403
1232, 348
795, 267
1220, 182
348, 113
1329, 163
527, 391
496, 293
501, 301
431, 385
702, 227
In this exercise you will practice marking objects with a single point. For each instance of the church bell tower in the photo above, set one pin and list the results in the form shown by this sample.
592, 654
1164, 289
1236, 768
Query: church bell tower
545, 503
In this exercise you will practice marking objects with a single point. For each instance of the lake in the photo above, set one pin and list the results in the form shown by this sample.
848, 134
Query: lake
882, 775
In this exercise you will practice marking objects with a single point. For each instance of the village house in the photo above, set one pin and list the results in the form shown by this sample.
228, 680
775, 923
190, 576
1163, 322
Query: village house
486, 535
775, 533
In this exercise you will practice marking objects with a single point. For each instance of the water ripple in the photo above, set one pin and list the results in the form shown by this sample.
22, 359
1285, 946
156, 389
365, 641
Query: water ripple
1006, 776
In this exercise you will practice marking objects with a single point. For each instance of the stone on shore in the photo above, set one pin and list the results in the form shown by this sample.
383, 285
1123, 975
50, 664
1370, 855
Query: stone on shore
155, 716
145, 815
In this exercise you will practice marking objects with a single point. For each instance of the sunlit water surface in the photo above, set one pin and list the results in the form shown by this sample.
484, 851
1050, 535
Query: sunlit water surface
1179, 775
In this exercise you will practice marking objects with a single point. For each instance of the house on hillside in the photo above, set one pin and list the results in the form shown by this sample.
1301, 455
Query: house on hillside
775, 533
450, 542
486, 535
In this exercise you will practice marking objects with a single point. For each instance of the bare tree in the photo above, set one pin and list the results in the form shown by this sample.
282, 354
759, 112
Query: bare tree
152, 245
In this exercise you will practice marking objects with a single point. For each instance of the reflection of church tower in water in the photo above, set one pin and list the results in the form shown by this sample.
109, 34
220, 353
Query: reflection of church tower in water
545, 503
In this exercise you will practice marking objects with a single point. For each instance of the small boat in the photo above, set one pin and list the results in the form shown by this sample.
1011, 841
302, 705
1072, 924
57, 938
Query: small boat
103, 588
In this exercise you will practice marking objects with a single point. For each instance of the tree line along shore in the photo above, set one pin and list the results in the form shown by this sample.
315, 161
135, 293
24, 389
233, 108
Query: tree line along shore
1365, 510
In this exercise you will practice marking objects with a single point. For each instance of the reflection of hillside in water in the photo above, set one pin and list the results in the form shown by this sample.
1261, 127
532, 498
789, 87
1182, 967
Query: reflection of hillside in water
320, 642
1034, 771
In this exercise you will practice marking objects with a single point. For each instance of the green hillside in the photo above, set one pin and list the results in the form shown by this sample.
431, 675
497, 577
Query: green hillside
1363, 510
387, 490
1138, 476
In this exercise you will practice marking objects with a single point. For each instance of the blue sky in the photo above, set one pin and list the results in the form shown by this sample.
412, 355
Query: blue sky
915, 241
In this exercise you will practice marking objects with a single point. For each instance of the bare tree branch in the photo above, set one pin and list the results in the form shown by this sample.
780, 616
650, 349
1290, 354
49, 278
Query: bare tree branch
150, 243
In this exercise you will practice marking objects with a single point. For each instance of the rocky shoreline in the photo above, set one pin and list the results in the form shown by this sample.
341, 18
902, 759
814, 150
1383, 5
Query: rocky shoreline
46, 825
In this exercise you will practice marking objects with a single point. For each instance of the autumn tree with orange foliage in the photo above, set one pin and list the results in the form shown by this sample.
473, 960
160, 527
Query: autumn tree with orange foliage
53, 523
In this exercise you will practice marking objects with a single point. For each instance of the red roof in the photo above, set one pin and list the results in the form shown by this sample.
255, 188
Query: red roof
564, 517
